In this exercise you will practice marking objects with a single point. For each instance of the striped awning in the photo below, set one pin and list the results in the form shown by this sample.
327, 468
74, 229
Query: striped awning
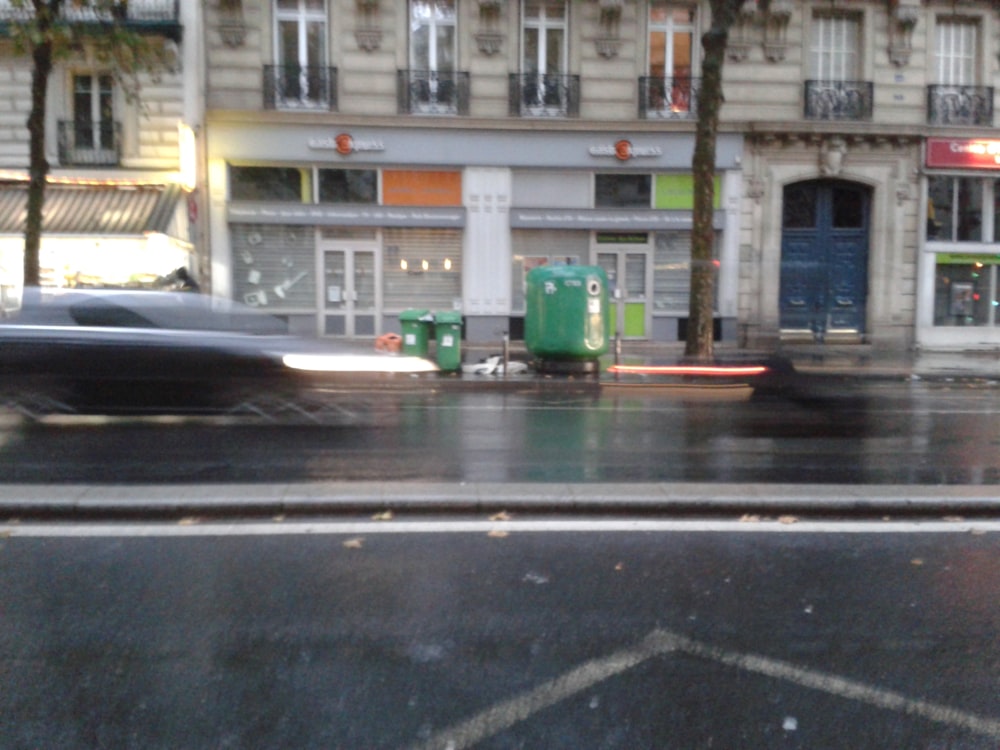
93, 210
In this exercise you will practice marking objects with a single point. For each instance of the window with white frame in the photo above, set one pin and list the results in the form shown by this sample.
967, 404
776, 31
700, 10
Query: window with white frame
671, 57
544, 37
543, 55
93, 111
433, 25
833, 48
956, 42
300, 31
433, 82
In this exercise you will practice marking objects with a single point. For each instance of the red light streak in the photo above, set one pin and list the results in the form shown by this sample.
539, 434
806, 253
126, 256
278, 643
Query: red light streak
707, 370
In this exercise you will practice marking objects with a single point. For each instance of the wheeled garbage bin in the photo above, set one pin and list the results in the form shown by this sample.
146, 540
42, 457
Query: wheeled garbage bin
448, 335
416, 325
566, 317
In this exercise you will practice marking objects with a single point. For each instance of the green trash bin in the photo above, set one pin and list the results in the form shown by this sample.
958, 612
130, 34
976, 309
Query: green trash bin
566, 313
416, 325
448, 334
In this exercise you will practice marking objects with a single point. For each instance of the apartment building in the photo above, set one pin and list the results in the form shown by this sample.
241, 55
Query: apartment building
364, 157
870, 191
118, 204
356, 158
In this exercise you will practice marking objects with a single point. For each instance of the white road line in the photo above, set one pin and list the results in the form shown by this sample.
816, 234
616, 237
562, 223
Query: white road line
661, 642
194, 527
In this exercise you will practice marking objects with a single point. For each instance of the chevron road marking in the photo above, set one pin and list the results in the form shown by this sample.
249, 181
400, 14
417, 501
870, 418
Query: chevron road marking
663, 642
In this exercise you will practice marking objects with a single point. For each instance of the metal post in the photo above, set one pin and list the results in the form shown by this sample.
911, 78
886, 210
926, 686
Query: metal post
618, 354
506, 353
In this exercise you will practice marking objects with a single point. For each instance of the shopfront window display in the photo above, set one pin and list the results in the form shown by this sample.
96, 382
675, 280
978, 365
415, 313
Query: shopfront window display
963, 222
965, 290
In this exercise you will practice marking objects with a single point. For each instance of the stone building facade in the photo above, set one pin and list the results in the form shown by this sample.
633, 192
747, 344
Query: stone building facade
119, 204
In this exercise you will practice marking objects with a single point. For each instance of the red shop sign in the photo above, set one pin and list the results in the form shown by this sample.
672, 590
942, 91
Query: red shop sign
963, 153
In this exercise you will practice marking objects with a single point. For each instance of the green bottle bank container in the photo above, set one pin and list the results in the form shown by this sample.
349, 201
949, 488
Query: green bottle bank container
566, 313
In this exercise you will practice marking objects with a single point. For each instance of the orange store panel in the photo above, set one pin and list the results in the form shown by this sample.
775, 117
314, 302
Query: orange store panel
417, 188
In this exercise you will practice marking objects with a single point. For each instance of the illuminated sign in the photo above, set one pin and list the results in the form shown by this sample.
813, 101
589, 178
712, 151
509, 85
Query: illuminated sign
624, 150
346, 144
963, 153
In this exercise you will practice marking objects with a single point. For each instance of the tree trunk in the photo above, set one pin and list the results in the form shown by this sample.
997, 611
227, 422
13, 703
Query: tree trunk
39, 166
699, 343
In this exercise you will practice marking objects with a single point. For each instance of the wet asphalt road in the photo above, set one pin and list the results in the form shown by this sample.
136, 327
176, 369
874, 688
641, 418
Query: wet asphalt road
375, 634
503, 633
869, 433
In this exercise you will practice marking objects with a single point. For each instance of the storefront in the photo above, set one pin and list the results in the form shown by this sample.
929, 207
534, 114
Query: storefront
959, 300
107, 235
348, 229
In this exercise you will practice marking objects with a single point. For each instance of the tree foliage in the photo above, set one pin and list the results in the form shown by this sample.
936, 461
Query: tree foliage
699, 343
53, 31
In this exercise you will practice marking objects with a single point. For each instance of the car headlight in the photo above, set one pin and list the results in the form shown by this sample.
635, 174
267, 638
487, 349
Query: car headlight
357, 363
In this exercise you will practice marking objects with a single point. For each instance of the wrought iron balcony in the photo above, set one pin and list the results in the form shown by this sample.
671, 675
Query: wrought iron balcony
960, 105
668, 98
300, 87
432, 92
544, 95
839, 100
142, 16
83, 143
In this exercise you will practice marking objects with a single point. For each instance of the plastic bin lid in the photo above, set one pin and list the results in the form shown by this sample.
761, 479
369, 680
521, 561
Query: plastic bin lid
448, 316
411, 315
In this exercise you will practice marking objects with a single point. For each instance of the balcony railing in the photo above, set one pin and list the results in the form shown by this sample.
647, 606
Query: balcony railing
839, 100
668, 98
544, 95
432, 92
83, 143
300, 87
142, 16
960, 105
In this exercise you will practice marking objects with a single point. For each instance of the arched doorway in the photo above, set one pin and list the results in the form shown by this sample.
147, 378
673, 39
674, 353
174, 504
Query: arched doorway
824, 257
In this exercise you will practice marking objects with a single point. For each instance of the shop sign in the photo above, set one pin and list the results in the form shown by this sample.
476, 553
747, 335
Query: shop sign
966, 259
346, 144
345, 215
624, 150
605, 220
963, 153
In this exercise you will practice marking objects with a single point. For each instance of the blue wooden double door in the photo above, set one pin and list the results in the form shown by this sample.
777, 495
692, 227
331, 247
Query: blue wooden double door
824, 257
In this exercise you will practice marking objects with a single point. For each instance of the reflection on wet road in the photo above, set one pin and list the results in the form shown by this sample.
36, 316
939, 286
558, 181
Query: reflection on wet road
878, 433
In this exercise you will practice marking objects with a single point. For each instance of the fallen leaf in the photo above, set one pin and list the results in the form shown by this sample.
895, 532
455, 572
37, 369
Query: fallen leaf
384, 516
750, 518
501, 516
189, 521
620, 567
953, 519
279, 519
356, 543
916, 561
498, 533
787, 519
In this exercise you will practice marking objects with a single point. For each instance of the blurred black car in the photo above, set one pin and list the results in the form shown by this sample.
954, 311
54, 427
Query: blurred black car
104, 351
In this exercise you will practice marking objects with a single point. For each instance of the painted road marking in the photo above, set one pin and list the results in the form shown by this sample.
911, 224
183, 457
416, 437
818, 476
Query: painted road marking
662, 642
195, 527
658, 643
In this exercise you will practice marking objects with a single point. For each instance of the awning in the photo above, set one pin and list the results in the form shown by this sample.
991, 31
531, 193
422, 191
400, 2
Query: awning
93, 210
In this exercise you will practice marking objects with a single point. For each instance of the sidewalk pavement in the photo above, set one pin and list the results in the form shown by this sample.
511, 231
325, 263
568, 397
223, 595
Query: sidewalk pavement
381, 501
832, 360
